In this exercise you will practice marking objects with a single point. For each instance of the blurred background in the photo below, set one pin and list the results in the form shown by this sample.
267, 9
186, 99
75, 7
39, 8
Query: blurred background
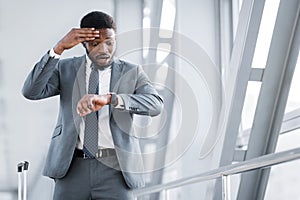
228, 71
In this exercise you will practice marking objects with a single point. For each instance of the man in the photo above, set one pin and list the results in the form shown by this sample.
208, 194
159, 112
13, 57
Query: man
98, 96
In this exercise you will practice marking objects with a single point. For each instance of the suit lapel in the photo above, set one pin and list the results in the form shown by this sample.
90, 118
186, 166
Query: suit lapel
79, 88
116, 72
80, 76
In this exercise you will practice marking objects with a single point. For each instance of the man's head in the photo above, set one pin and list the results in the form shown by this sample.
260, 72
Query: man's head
102, 49
98, 20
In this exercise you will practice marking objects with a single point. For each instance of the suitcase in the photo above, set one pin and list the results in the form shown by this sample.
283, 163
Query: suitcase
22, 169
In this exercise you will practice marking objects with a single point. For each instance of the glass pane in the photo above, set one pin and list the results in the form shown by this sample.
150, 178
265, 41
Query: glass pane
7, 196
288, 141
250, 103
248, 113
240, 4
284, 181
285, 177
168, 14
265, 33
294, 95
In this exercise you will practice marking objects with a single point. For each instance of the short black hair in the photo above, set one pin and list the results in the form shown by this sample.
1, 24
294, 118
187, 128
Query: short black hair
97, 20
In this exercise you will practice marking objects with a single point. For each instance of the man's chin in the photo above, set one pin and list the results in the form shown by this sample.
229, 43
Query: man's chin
103, 64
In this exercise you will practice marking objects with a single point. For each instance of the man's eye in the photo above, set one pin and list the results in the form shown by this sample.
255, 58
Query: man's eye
94, 44
109, 43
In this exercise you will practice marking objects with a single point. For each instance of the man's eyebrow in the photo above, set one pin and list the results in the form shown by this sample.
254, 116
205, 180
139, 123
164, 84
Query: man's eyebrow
109, 37
106, 38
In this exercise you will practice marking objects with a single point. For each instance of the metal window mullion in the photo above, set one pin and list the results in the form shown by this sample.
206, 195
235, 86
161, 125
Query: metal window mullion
226, 193
226, 33
291, 121
241, 61
239, 70
256, 74
290, 65
273, 97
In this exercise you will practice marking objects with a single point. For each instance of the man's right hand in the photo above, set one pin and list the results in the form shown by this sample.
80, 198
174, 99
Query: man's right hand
92, 103
74, 37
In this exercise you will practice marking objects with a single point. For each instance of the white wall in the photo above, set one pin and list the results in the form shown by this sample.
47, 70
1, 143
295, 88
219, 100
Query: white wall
28, 29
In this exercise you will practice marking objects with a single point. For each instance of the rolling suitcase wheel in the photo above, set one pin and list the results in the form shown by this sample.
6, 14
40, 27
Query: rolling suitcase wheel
22, 169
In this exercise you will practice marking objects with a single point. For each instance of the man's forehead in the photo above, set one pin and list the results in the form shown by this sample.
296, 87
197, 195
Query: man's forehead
106, 33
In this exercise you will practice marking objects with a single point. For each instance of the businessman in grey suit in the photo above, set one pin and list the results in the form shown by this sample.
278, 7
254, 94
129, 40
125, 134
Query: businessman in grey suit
94, 152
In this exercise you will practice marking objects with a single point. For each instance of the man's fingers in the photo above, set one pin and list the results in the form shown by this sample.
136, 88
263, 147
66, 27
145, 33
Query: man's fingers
80, 40
86, 105
83, 112
82, 34
91, 103
82, 109
87, 33
85, 30
86, 38
90, 107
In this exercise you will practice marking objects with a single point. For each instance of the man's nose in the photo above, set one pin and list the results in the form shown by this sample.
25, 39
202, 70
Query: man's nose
102, 47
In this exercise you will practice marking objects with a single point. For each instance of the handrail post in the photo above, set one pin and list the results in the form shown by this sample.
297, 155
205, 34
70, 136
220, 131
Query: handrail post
226, 187
165, 194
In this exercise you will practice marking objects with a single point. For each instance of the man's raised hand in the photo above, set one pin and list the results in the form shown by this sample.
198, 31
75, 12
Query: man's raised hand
74, 37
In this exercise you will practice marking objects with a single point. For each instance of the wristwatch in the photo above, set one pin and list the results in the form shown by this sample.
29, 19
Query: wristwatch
113, 100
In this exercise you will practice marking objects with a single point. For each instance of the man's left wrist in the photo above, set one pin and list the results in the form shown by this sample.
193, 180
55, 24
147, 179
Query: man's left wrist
113, 99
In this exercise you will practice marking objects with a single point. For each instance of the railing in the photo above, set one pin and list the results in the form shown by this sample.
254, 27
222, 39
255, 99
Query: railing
224, 173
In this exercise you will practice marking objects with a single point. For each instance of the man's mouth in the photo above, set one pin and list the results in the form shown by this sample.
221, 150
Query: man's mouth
103, 56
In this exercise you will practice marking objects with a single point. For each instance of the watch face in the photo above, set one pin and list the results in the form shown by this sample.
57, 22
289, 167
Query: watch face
113, 100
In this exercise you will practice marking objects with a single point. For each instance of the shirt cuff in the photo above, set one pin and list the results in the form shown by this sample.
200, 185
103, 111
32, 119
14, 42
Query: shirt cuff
121, 104
53, 54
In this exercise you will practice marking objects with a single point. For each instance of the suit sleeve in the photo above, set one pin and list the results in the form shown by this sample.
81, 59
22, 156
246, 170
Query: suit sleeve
43, 80
145, 100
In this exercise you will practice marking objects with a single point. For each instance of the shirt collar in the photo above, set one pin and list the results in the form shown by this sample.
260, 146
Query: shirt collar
88, 60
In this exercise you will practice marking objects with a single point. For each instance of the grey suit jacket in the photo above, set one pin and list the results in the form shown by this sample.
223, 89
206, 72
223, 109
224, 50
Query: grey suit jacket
66, 78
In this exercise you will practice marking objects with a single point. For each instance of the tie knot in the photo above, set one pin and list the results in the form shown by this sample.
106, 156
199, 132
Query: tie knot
92, 66
102, 68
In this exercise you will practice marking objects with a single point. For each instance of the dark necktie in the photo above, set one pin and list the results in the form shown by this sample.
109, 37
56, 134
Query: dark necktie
90, 146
